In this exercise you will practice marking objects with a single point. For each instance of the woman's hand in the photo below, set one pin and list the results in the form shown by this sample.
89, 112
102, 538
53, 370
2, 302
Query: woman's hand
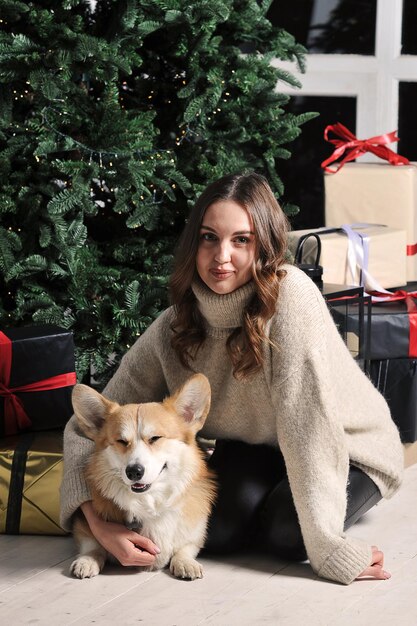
375, 569
127, 546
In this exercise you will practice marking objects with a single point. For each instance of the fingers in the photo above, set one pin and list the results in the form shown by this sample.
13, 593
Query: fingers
144, 543
127, 546
375, 571
377, 557
131, 556
376, 567
136, 558
138, 551
141, 558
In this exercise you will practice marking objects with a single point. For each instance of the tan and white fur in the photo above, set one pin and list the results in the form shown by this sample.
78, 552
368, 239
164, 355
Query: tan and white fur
148, 473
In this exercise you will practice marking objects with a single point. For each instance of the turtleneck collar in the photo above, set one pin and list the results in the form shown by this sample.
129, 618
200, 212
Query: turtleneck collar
222, 310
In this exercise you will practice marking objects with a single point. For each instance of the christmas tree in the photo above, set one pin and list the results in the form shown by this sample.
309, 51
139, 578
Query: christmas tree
113, 116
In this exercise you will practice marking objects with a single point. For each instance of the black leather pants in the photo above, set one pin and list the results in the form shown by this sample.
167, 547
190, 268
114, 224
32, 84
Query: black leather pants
255, 507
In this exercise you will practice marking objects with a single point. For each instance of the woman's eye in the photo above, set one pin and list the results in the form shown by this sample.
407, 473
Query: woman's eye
123, 442
153, 439
242, 240
207, 237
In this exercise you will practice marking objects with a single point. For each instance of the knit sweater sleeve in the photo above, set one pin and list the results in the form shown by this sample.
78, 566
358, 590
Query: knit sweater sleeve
310, 432
139, 378
313, 446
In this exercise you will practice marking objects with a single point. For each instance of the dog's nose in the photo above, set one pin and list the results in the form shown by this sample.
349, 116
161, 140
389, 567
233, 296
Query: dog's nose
135, 472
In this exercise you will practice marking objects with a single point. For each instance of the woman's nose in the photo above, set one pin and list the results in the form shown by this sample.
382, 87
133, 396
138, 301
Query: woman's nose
223, 253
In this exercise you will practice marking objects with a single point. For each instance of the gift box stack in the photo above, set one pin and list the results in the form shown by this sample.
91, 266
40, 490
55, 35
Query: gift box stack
378, 202
386, 251
36, 379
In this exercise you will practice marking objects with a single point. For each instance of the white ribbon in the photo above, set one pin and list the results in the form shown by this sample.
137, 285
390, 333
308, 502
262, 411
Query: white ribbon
358, 256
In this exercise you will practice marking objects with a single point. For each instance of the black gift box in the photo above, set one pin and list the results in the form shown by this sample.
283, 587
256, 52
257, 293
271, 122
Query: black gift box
39, 353
345, 301
396, 379
390, 330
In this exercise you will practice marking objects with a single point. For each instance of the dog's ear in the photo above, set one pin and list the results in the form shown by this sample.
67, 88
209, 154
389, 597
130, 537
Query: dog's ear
192, 401
90, 408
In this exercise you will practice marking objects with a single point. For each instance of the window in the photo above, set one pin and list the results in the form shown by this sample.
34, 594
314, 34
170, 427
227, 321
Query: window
329, 26
362, 52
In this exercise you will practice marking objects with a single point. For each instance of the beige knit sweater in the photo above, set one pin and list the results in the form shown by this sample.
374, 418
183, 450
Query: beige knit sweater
311, 399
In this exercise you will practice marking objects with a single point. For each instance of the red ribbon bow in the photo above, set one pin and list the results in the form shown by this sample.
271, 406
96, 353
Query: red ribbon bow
408, 297
352, 147
15, 416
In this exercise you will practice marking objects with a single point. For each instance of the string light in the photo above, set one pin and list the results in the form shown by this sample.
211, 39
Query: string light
110, 154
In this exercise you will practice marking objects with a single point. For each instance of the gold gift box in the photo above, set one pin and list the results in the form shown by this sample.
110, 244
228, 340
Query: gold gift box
378, 193
387, 259
30, 477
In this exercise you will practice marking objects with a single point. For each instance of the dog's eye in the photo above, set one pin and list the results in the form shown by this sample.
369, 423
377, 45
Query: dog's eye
123, 442
153, 439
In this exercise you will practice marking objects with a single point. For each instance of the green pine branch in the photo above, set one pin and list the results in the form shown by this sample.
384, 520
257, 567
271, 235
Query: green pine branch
111, 123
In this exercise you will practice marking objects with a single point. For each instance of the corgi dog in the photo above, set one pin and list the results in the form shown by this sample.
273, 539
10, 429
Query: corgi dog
148, 473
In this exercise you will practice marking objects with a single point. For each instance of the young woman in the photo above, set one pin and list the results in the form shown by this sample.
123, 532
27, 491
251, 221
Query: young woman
305, 443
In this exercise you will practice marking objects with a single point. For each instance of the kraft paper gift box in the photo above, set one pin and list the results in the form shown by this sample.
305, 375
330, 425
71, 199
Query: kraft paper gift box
396, 379
377, 193
30, 477
387, 259
36, 378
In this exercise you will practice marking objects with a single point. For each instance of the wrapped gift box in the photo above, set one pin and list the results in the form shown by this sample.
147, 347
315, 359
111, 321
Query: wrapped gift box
344, 301
396, 379
36, 378
379, 193
30, 478
387, 258
391, 335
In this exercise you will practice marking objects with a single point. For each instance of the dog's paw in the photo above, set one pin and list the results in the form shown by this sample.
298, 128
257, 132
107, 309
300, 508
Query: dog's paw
187, 569
85, 567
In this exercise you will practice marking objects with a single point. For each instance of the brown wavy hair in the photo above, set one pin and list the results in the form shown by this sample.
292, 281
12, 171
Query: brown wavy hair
244, 344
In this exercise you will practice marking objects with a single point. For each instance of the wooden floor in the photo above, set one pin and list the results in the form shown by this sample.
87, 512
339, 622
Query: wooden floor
35, 587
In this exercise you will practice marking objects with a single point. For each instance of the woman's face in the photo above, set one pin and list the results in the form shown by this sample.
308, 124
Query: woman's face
226, 251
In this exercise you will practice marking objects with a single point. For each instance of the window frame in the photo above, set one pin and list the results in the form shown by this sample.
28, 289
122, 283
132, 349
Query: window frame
372, 79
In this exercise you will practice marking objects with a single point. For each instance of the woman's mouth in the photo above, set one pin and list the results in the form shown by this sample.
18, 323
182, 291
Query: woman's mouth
221, 274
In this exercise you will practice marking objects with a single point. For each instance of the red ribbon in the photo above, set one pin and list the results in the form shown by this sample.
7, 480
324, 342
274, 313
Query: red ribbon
408, 297
350, 147
412, 249
15, 416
